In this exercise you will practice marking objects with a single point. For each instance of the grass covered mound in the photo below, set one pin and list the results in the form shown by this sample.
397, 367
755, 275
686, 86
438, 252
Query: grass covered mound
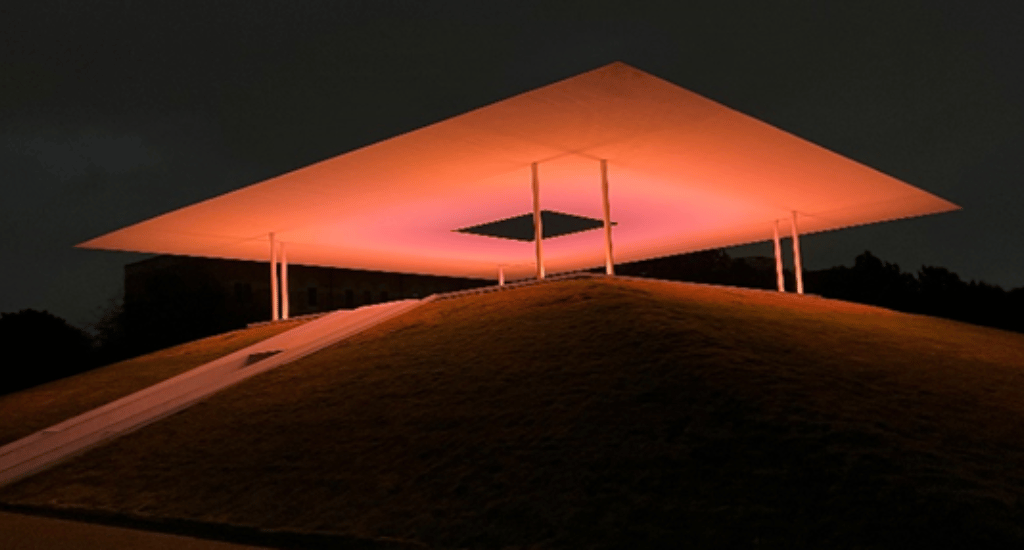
34, 409
602, 413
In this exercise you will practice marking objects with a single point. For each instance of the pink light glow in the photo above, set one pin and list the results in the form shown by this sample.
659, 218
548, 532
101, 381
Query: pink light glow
685, 174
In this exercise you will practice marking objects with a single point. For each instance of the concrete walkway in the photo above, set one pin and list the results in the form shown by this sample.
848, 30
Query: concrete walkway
22, 532
45, 448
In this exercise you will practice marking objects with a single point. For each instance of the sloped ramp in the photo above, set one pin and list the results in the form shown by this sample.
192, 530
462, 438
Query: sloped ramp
44, 448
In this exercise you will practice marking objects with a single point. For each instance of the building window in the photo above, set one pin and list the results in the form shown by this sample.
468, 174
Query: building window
311, 296
350, 299
383, 295
367, 297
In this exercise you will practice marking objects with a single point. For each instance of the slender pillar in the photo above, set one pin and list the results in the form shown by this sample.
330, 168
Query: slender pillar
609, 263
780, 279
284, 283
797, 264
273, 278
501, 275
538, 230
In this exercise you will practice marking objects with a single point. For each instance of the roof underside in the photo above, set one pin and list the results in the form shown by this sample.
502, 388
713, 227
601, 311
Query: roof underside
685, 174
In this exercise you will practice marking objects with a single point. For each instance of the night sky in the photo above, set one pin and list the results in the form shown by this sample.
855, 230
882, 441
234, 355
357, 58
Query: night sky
114, 112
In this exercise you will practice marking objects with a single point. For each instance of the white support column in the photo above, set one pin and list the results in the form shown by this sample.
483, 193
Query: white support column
780, 279
284, 283
501, 275
609, 263
797, 264
538, 230
273, 278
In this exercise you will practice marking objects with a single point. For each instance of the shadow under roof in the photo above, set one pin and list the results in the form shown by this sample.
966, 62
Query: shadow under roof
685, 174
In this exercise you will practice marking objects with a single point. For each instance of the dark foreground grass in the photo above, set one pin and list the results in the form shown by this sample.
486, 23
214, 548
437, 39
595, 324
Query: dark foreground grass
34, 409
601, 414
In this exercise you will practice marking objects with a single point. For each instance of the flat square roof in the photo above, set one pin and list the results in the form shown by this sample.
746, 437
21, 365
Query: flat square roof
685, 173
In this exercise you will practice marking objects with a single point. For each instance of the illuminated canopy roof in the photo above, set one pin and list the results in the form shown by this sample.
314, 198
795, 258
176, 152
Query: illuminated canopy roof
685, 174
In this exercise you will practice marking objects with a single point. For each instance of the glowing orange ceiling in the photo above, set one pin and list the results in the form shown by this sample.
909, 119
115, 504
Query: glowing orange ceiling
685, 174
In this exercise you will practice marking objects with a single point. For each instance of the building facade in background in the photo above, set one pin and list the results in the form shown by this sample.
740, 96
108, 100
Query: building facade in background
240, 290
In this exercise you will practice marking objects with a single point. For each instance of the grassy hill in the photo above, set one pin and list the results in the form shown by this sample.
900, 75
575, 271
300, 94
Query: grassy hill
601, 413
36, 408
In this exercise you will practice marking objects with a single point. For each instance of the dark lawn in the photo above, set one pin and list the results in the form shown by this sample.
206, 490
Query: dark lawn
34, 409
602, 414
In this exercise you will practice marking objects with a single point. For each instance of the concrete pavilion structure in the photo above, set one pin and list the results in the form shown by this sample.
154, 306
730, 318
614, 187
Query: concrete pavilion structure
545, 181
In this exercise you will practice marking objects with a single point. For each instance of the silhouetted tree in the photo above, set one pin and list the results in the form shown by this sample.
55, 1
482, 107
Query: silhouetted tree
869, 281
1012, 308
944, 294
111, 339
941, 292
932, 291
39, 347
987, 304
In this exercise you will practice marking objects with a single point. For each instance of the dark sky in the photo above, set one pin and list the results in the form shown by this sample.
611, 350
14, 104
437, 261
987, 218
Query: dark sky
114, 112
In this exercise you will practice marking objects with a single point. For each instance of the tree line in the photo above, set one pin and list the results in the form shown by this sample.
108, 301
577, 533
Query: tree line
934, 291
931, 290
